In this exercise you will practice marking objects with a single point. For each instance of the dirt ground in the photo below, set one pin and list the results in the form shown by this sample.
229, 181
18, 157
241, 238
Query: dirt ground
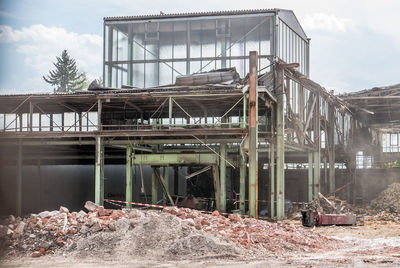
376, 244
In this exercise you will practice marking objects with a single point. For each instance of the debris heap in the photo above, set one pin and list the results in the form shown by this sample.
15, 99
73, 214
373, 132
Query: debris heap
388, 200
171, 233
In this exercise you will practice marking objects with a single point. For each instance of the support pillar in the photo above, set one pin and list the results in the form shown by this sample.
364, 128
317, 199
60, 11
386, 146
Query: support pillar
216, 186
253, 154
243, 167
280, 150
170, 105
99, 172
317, 173
166, 179
222, 177
331, 151
176, 180
154, 186
272, 180
19, 179
310, 177
128, 187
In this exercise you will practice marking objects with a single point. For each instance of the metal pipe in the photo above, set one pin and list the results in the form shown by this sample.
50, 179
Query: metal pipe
128, 187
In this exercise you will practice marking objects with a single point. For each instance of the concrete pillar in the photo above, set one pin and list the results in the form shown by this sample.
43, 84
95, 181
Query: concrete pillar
216, 186
128, 187
99, 172
253, 154
310, 177
280, 150
19, 179
154, 185
176, 180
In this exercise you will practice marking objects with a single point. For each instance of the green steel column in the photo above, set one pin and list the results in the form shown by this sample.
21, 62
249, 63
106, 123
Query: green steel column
253, 165
280, 150
99, 172
272, 179
154, 186
19, 179
128, 189
222, 176
166, 179
243, 184
310, 177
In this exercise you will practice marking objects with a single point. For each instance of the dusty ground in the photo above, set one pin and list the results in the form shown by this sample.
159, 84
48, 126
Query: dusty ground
375, 244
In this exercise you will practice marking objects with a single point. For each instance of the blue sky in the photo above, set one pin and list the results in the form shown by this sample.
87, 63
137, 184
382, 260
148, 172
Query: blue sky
354, 44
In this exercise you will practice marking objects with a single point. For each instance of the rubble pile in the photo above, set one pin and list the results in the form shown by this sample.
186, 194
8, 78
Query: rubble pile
331, 205
255, 234
172, 233
388, 200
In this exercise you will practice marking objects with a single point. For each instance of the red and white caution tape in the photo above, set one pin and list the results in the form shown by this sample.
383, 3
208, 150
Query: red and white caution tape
117, 202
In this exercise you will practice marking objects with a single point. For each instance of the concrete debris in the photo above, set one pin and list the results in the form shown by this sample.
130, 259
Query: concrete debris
174, 232
388, 200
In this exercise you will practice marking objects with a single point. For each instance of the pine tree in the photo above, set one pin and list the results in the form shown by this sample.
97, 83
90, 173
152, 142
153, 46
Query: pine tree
66, 77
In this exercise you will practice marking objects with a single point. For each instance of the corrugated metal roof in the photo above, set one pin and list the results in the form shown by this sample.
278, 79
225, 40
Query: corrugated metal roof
192, 14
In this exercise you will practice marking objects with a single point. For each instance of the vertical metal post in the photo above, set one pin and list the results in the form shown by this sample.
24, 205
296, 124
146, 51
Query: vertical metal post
80, 121
19, 179
280, 141
51, 122
30, 116
216, 186
317, 173
166, 180
21, 125
99, 172
128, 187
317, 140
99, 108
331, 140
154, 185
170, 105
272, 179
243, 183
222, 177
176, 180
243, 123
253, 165
130, 54
310, 176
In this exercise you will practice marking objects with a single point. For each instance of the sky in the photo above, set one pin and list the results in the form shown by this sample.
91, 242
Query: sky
355, 44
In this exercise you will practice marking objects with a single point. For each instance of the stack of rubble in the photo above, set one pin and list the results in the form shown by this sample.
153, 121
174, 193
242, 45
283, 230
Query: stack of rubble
331, 205
386, 207
388, 200
173, 232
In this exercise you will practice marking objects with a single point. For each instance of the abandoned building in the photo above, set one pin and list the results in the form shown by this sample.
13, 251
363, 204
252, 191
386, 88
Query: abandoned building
215, 105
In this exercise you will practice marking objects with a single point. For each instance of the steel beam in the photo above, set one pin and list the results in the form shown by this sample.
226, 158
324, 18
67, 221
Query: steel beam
216, 186
331, 151
280, 149
19, 180
154, 185
272, 180
99, 172
310, 177
243, 168
175, 159
128, 187
222, 176
317, 173
166, 180
253, 155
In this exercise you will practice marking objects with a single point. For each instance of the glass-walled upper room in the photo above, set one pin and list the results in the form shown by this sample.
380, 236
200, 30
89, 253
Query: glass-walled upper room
152, 51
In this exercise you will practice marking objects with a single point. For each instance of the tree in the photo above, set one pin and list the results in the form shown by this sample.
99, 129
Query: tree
66, 77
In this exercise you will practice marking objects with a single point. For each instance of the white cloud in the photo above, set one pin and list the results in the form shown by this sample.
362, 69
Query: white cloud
325, 22
41, 44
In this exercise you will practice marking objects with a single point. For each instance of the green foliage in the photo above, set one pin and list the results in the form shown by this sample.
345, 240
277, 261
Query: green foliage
66, 77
